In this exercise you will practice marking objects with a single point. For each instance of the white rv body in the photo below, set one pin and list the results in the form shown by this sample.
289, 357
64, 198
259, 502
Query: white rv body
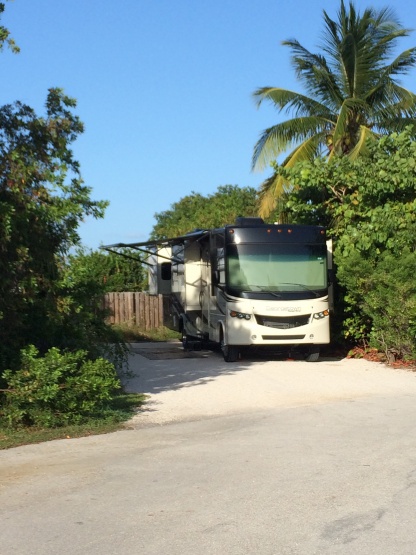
207, 302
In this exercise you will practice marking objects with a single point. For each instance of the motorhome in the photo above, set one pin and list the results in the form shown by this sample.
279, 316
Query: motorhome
247, 284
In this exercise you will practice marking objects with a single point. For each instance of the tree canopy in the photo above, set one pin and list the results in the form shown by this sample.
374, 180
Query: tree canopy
353, 95
369, 207
47, 305
196, 211
42, 201
5, 38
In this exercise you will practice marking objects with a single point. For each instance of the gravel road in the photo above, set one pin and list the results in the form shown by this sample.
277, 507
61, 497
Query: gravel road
270, 457
199, 384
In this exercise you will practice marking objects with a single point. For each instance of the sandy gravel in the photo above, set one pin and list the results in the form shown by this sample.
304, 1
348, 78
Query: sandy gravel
195, 385
314, 458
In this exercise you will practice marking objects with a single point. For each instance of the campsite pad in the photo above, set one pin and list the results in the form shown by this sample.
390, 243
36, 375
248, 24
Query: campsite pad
166, 351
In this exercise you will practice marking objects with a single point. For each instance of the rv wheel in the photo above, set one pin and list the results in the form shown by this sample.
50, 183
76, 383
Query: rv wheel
231, 353
185, 341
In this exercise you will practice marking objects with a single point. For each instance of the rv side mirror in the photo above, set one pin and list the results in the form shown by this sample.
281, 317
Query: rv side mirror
331, 277
216, 280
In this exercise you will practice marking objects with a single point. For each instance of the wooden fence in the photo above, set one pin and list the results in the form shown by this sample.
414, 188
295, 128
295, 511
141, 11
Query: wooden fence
135, 309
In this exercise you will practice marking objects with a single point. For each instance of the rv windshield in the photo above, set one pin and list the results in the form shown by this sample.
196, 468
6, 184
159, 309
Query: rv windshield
280, 270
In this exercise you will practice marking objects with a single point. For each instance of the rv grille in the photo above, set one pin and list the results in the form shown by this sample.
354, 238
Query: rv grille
282, 337
283, 322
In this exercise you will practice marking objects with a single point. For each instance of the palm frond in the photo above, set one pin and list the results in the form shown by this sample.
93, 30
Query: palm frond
315, 73
270, 190
399, 124
361, 147
283, 136
351, 90
402, 64
350, 109
358, 45
391, 101
291, 101
306, 151
274, 186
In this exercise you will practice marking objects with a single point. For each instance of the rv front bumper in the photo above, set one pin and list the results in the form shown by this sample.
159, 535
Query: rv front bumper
245, 328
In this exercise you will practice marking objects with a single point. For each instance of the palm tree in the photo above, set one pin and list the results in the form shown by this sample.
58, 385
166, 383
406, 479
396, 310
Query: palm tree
352, 94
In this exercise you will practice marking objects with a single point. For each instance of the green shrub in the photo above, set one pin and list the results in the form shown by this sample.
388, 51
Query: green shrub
57, 389
381, 302
391, 305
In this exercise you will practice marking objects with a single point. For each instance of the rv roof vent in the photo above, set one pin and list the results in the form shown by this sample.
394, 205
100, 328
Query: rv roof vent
248, 221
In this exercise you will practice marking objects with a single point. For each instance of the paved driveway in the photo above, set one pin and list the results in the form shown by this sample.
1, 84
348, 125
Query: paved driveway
258, 457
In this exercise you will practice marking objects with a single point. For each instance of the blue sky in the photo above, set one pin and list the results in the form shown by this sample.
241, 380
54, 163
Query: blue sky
164, 88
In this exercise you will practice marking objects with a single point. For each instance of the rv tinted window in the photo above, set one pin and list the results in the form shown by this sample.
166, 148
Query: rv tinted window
277, 267
166, 271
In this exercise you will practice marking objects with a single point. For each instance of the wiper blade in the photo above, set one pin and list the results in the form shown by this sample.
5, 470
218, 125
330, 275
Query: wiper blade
270, 293
261, 289
304, 287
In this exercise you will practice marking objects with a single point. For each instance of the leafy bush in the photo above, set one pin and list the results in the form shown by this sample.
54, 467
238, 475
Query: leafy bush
381, 302
79, 323
57, 389
369, 207
43, 200
391, 305
110, 271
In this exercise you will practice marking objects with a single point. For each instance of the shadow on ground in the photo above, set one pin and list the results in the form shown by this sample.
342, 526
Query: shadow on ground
167, 366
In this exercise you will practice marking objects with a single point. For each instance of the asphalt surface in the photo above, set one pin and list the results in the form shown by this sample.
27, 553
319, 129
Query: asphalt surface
257, 457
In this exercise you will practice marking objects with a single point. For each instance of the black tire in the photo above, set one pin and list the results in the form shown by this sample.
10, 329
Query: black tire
313, 355
231, 353
185, 341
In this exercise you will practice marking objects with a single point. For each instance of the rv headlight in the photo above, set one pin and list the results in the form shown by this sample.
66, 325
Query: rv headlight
241, 315
320, 315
